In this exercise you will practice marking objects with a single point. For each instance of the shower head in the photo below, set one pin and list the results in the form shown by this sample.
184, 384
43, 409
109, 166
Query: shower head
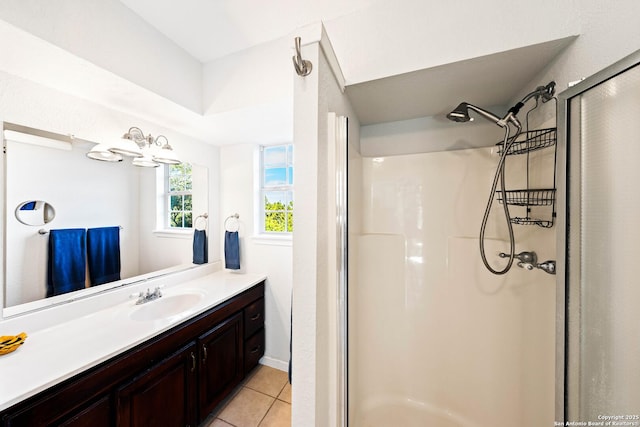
461, 114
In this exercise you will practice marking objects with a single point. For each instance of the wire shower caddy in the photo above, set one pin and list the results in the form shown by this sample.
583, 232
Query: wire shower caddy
525, 143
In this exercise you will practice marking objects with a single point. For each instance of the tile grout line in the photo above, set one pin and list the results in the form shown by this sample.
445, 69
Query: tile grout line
244, 385
233, 395
262, 392
226, 422
265, 414
272, 403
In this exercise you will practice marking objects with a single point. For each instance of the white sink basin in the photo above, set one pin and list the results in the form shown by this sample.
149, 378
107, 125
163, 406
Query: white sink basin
166, 306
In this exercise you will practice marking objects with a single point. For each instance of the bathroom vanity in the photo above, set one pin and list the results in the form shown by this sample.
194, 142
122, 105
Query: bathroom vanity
175, 377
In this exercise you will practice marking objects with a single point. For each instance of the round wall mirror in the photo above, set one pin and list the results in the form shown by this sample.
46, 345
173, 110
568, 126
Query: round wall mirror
35, 212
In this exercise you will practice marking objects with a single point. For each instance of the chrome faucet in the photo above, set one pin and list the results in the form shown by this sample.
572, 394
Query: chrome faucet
148, 296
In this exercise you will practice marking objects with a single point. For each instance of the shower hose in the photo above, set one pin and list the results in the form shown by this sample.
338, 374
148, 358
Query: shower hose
506, 144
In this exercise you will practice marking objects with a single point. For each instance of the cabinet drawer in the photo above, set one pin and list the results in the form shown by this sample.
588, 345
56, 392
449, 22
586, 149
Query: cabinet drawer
253, 317
253, 351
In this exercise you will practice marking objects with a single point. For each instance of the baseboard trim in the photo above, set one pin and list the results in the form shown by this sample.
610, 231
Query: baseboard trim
275, 363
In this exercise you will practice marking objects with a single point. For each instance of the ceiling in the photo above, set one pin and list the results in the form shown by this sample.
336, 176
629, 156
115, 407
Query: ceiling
198, 26
487, 81
211, 29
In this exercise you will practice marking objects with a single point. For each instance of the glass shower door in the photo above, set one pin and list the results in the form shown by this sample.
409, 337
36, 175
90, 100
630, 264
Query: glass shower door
602, 356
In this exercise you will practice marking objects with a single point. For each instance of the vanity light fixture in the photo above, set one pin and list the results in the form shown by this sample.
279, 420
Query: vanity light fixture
147, 151
101, 152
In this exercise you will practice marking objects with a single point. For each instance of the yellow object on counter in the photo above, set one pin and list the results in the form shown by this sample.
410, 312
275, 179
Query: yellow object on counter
9, 343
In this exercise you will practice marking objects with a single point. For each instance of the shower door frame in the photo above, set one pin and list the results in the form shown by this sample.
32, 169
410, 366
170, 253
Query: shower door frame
569, 267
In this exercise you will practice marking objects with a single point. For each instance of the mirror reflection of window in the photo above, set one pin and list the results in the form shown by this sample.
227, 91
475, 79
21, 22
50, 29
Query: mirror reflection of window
108, 194
180, 195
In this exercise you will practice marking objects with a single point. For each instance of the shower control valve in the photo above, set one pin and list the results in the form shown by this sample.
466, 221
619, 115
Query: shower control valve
529, 260
525, 265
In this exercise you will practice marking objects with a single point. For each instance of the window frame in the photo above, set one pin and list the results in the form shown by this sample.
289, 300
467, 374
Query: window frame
262, 234
169, 194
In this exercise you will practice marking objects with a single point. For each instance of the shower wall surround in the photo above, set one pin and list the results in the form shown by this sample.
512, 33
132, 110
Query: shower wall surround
459, 344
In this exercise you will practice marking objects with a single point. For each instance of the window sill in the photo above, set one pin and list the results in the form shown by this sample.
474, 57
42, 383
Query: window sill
274, 240
174, 234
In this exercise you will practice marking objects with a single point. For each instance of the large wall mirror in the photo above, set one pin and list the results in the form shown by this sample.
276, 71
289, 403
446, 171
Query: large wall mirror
58, 177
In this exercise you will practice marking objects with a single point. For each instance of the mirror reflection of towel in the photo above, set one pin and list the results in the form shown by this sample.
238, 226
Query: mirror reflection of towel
66, 265
103, 254
231, 250
200, 255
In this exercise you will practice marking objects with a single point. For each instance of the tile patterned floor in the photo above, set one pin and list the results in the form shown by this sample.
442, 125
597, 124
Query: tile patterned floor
262, 400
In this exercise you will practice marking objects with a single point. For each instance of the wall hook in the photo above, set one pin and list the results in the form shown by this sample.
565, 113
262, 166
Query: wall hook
302, 66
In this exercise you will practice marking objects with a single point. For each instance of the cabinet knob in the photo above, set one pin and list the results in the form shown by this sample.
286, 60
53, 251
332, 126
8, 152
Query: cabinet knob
193, 362
204, 353
255, 316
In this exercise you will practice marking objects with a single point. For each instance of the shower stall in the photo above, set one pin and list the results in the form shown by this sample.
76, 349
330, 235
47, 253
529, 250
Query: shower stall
426, 335
434, 338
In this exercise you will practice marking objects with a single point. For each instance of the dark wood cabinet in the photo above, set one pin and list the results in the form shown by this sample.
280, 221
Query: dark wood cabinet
221, 362
97, 414
253, 317
253, 334
174, 379
163, 395
253, 350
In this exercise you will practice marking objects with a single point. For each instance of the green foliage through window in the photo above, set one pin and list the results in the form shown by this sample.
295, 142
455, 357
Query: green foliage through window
277, 188
180, 186
278, 217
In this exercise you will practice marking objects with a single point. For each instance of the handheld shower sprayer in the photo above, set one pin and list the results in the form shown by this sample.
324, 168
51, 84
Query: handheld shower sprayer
461, 114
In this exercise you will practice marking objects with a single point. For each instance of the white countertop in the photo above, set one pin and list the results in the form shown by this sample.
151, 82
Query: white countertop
63, 350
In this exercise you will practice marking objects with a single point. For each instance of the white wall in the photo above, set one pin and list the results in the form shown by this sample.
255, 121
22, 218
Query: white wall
608, 33
230, 82
425, 135
111, 36
315, 329
238, 170
390, 38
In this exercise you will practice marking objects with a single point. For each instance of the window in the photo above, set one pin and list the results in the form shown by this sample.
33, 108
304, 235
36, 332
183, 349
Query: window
179, 192
276, 189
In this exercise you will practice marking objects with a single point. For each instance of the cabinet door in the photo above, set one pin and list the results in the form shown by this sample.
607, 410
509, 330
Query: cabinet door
51, 412
221, 362
253, 317
164, 395
96, 415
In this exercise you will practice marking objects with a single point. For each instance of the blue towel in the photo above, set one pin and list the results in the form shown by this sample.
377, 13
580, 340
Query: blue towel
231, 250
200, 254
103, 254
66, 266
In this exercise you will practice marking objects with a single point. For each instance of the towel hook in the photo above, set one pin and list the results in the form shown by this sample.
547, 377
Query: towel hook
302, 66
234, 216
